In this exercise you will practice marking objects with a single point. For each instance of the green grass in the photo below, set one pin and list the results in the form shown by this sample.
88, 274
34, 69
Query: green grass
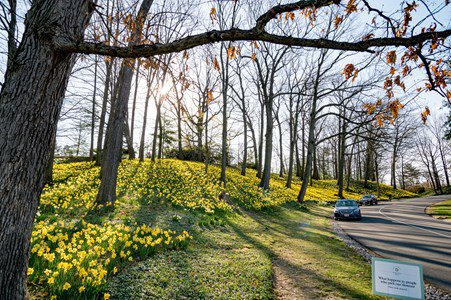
258, 245
286, 252
441, 210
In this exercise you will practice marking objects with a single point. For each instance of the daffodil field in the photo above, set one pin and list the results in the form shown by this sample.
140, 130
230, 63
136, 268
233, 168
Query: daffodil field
73, 257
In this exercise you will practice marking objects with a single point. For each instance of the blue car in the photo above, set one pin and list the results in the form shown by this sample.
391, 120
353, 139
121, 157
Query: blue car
347, 209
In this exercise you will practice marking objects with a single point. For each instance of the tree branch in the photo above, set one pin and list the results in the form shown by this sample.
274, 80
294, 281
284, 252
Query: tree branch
213, 36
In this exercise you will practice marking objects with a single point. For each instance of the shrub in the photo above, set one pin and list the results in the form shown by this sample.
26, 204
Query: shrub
417, 189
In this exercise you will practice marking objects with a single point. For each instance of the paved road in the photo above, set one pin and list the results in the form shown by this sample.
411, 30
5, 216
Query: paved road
401, 230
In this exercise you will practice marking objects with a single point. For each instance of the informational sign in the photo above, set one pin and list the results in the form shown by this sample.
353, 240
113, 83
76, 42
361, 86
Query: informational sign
397, 279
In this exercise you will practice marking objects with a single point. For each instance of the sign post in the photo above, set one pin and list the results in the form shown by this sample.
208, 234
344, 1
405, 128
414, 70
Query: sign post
397, 279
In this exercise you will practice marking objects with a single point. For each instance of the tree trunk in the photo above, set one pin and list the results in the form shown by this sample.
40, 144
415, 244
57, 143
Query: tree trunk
293, 134
369, 161
11, 28
282, 170
93, 113
200, 136
403, 180
179, 128
376, 167
393, 168
160, 138
309, 159
260, 143
207, 150
315, 174
254, 142
341, 159
303, 149
30, 103
225, 85
143, 133
436, 175
132, 121
432, 179
298, 160
155, 134
49, 169
445, 168
110, 165
128, 140
311, 137
109, 69
264, 183
244, 164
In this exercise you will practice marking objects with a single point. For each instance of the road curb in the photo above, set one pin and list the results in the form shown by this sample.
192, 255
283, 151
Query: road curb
431, 292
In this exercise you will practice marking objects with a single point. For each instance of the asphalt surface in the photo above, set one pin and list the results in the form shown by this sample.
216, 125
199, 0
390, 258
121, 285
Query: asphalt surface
401, 230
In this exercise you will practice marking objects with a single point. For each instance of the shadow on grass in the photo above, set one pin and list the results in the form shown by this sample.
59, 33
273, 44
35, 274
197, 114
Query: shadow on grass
292, 229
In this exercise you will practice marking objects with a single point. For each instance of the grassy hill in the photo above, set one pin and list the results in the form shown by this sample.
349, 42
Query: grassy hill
169, 236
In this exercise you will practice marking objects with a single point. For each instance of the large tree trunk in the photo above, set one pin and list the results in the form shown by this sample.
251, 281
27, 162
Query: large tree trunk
114, 138
264, 183
311, 137
110, 165
30, 104
309, 159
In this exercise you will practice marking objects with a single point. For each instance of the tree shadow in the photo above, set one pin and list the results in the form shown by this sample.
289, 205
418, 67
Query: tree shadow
292, 271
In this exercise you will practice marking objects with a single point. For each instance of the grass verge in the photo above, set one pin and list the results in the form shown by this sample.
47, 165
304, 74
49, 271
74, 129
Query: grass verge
441, 210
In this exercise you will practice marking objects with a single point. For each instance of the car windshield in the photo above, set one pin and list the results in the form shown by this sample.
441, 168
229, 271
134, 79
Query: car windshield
343, 203
367, 196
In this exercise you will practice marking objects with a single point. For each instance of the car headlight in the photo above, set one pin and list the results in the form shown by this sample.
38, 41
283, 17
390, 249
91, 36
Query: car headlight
356, 211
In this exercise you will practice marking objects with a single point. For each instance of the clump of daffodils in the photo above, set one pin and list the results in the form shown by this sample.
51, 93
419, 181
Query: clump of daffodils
73, 259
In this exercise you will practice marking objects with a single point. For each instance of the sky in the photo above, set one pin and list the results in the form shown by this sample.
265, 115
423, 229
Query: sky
80, 91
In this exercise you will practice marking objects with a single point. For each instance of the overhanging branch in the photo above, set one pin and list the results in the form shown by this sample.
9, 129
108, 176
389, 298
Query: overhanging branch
214, 36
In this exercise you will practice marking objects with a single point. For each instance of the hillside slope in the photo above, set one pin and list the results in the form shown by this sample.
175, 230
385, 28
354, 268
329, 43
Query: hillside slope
168, 219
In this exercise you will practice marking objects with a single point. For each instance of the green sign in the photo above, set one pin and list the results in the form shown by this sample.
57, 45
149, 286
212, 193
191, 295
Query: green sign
397, 279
